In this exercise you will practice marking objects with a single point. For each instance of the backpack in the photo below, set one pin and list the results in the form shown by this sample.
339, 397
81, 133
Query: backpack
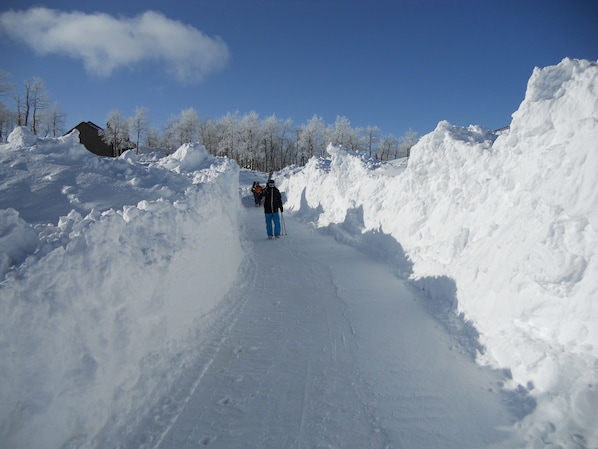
258, 190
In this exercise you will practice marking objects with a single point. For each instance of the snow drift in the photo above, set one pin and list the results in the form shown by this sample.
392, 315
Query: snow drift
513, 219
99, 305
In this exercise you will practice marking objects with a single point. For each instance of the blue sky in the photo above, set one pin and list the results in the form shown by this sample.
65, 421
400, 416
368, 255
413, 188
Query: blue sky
398, 65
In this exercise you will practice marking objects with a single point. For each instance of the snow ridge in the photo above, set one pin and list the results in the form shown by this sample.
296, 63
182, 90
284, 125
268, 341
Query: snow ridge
98, 311
512, 219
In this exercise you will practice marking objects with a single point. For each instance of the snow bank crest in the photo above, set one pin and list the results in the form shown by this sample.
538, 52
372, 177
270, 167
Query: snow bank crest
553, 82
188, 158
22, 137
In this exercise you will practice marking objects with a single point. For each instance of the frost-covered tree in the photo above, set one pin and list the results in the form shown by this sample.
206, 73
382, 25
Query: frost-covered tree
271, 142
388, 147
7, 116
39, 100
35, 110
371, 136
407, 142
229, 141
152, 138
181, 129
54, 120
139, 125
250, 136
286, 144
116, 133
209, 135
170, 141
341, 133
188, 126
7, 121
31, 104
311, 139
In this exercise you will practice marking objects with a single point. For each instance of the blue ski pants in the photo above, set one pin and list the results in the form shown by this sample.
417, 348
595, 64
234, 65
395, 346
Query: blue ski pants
272, 218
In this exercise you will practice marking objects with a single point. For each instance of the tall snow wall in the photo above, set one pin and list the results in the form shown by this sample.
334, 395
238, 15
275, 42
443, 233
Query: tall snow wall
513, 220
98, 311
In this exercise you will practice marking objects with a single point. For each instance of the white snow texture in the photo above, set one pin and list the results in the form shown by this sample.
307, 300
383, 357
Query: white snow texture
110, 267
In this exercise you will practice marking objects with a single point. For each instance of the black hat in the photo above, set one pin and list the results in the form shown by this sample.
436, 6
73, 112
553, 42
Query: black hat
270, 182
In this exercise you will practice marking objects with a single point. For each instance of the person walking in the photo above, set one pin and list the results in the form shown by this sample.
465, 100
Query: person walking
257, 193
272, 203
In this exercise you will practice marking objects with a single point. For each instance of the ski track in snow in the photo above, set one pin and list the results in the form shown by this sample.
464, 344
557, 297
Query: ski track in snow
315, 352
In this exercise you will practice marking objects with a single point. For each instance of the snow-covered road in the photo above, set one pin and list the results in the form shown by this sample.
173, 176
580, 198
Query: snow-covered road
327, 348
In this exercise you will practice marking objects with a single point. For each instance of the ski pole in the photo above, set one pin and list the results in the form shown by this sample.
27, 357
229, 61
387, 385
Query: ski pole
284, 226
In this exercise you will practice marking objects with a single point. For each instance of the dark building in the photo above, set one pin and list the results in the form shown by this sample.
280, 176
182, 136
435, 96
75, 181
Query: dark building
90, 137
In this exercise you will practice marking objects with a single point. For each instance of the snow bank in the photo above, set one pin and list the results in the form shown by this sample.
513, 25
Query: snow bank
21, 138
513, 219
99, 304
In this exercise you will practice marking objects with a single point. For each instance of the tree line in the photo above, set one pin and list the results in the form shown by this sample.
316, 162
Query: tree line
255, 143
260, 144
33, 108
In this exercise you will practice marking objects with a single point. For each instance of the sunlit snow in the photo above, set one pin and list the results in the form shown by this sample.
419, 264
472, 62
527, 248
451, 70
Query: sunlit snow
114, 271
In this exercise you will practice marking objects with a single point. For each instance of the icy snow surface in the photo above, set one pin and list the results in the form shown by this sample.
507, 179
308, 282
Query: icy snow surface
130, 315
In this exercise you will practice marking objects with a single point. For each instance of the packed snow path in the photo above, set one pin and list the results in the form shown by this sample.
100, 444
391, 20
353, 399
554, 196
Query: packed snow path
327, 348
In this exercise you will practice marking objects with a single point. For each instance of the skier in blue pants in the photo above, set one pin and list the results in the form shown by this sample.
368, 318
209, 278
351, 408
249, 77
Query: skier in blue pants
272, 203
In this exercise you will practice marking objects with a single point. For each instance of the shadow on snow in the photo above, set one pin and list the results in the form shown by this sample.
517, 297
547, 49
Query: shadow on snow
439, 293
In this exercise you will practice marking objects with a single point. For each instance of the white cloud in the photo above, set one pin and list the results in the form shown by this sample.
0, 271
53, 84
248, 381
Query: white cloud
105, 43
